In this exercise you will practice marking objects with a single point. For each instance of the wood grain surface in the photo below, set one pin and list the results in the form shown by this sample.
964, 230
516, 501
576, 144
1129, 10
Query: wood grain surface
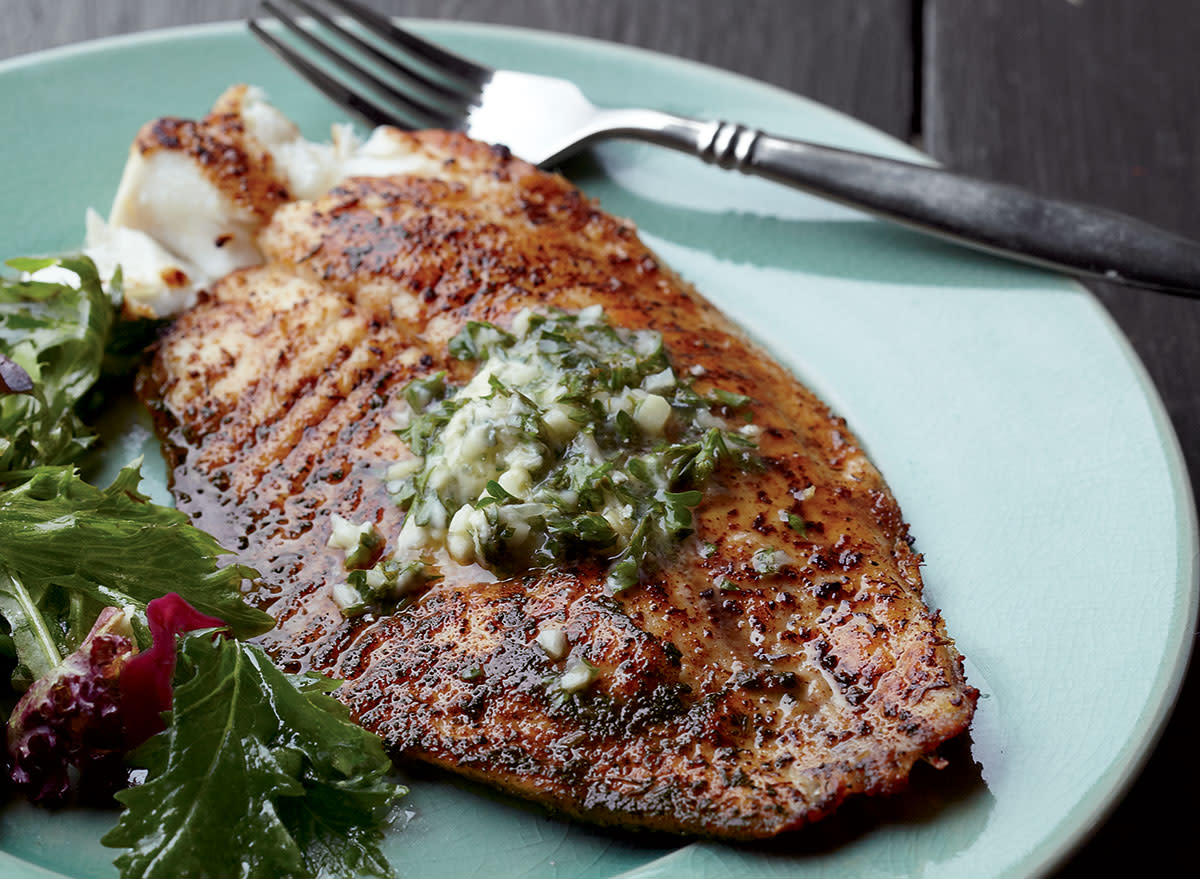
854, 56
1094, 101
1087, 99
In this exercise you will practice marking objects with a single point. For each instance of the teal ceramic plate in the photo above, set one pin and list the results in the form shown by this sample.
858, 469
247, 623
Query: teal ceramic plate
1025, 443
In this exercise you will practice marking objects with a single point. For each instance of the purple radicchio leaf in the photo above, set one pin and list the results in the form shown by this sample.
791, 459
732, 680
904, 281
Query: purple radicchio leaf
71, 718
13, 378
146, 689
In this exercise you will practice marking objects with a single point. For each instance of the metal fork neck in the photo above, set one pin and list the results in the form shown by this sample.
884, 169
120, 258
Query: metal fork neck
990, 216
725, 144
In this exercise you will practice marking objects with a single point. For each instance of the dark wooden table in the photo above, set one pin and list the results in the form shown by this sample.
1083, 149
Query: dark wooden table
1076, 98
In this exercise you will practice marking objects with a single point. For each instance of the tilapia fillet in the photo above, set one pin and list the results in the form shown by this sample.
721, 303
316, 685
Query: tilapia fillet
737, 712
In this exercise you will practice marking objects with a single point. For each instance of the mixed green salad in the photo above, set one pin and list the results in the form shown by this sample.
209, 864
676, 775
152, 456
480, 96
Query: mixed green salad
121, 637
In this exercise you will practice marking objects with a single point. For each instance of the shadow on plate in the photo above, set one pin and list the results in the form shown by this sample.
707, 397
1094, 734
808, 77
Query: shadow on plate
931, 794
417, 775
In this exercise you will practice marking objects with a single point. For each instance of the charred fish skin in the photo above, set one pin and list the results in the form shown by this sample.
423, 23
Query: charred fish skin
729, 696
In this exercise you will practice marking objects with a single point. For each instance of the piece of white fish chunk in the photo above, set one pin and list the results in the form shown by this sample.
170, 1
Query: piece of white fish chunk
167, 197
194, 195
156, 282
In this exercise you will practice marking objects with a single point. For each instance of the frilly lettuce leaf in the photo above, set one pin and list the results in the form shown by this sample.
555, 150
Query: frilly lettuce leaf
57, 334
70, 549
258, 774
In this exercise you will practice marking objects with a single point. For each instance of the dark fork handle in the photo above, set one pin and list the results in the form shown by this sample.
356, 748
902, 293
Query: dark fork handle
1067, 236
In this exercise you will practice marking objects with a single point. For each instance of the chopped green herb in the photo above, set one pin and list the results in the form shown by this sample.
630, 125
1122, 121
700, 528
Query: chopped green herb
573, 438
797, 524
495, 494
477, 339
729, 398
388, 583
367, 552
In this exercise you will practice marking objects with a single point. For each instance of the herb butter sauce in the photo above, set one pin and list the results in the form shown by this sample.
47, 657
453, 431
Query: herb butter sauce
574, 438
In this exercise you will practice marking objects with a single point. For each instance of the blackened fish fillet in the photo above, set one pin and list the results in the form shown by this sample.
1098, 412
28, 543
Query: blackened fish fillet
737, 713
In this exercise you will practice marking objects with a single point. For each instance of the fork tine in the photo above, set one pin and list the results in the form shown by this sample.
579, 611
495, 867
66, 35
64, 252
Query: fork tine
333, 89
435, 56
439, 90
425, 115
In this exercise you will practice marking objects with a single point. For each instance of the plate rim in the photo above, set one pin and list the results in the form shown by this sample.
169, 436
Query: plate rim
1108, 789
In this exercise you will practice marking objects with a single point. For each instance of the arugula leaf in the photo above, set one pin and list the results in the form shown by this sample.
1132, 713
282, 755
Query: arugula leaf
71, 548
257, 775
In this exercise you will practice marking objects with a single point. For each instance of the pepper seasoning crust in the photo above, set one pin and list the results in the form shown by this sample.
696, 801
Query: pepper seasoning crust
781, 661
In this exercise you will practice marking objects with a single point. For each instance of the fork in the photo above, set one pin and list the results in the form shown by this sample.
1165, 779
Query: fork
387, 75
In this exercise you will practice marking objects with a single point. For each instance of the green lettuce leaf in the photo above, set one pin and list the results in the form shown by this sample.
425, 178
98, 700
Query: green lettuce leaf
70, 549
57, 334
258, 774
